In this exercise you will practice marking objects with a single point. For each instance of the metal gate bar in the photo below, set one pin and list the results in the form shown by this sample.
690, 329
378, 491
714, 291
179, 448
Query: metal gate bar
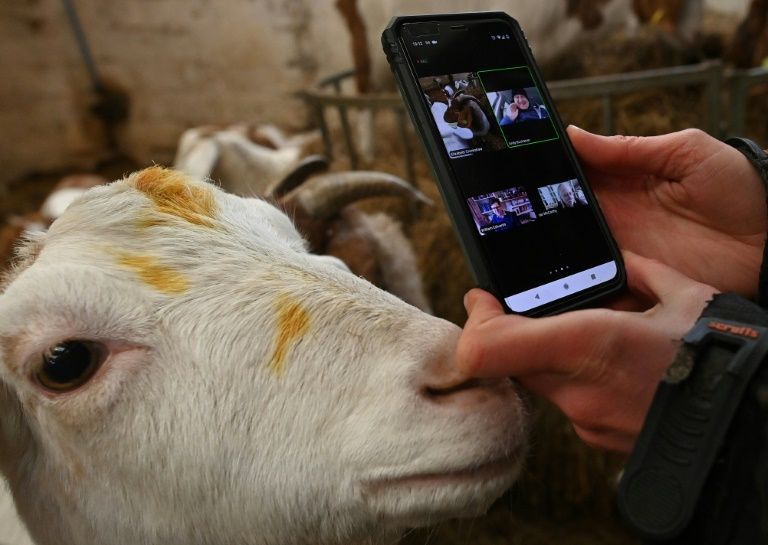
741, 82
725, 90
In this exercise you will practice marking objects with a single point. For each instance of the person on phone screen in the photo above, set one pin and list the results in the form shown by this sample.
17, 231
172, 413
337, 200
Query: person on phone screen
500, 215
522, 109
568, 197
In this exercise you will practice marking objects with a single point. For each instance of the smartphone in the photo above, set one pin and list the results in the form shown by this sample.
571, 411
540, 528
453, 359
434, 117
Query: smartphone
527, 220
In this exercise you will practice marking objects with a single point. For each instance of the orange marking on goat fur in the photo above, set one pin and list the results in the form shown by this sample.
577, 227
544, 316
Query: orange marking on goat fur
292, 324
175, 194
162, 278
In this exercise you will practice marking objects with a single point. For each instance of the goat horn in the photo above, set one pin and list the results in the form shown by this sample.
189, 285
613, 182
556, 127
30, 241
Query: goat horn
309, 166
323, 196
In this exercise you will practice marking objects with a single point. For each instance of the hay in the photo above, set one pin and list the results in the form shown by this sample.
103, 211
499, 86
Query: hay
644, 113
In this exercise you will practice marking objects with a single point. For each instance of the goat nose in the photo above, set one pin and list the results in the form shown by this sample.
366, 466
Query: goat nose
445, 384
441, 382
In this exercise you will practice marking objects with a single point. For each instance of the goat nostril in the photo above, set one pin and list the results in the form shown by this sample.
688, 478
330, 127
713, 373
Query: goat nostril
441, 391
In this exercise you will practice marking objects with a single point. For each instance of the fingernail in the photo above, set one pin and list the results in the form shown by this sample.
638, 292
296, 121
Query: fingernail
575, 127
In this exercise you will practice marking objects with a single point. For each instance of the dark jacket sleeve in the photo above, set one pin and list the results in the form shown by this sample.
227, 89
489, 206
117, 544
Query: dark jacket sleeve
733, 506
759, 159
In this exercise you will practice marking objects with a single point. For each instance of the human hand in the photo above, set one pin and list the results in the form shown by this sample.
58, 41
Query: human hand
600, 366
685, 199
512, 111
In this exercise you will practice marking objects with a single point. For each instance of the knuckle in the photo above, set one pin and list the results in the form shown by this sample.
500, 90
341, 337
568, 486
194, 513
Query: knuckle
689, 142
593, 442
470, 353
599, 350
696, 293
583, 415
694, 134
590, 438
628, 142
653, 262
626, 138
687, 146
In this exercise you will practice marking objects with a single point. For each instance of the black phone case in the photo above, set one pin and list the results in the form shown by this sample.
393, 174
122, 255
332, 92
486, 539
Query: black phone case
407, 83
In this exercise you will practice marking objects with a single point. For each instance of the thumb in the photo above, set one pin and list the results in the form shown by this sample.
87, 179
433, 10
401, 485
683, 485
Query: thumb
494, 344
481, 303
661, 155
660, 283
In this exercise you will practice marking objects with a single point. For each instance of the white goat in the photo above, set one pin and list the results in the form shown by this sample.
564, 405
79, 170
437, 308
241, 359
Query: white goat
244, 160
176, 368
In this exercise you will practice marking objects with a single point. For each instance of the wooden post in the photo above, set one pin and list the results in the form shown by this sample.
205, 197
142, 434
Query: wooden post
360, 54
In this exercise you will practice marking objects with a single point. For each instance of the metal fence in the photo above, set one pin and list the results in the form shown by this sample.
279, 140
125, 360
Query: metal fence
328, 95
725, 96
739, 84
707, 75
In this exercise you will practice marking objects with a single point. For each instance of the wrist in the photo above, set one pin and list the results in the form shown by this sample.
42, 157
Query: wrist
759, 160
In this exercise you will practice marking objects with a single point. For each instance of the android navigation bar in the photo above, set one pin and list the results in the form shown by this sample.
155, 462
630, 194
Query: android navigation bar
563, 287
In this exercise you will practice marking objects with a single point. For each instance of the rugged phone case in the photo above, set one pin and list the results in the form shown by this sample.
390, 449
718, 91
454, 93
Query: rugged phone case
454, 201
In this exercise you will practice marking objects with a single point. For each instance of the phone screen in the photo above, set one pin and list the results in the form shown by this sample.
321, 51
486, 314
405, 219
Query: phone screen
534, 218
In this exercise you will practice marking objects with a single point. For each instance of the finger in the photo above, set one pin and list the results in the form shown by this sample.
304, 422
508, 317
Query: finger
629, 302
497, 346
666, 155
612, 441
485, 318
490, 305
658, 282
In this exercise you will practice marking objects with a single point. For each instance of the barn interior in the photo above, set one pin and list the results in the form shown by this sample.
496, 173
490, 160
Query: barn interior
95, 90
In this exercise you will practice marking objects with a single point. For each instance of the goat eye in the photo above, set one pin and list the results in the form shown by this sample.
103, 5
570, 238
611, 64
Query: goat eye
69, 364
